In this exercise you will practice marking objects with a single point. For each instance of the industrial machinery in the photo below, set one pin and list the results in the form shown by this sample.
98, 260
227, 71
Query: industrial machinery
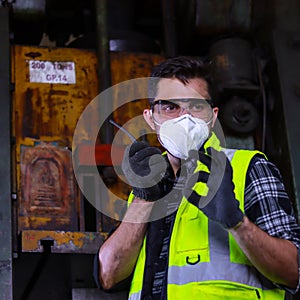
57, 56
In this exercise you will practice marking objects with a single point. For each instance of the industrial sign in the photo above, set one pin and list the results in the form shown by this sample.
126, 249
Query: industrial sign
52, 72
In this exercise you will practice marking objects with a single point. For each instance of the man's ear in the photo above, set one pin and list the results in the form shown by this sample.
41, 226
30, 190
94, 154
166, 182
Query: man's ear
148, 118
215, 115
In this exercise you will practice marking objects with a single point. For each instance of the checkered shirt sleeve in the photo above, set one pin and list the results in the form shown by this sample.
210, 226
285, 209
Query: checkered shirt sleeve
268, 206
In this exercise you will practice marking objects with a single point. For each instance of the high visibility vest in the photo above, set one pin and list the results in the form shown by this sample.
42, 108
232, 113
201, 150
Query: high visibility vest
205, 262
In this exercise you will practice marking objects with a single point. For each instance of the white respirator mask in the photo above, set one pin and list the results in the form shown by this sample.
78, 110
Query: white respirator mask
182, 134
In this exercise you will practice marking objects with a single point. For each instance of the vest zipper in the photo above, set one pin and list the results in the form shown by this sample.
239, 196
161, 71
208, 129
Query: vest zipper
257, 294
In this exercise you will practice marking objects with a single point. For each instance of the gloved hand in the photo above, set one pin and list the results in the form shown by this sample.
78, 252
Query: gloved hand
147, 171
216, 200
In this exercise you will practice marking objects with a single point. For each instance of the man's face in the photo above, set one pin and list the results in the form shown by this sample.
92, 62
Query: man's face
174, 99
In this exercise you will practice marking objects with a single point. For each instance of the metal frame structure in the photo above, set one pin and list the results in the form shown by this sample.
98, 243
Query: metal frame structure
6, 289
286, 50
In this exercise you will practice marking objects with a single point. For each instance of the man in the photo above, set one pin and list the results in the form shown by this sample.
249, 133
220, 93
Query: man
232, 233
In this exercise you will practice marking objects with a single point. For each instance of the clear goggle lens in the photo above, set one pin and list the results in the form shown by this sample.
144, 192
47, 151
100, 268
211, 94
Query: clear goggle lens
163, 110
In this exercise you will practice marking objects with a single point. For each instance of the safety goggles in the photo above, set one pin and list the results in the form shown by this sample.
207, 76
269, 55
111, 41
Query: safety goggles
163, 110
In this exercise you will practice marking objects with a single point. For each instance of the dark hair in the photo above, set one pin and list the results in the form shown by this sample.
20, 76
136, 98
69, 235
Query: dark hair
183, 68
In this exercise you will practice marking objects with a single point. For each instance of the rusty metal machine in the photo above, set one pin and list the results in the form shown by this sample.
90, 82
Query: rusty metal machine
52, 88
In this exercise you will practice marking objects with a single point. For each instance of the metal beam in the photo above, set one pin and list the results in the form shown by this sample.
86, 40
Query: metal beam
104, 70
5, 161
287, 53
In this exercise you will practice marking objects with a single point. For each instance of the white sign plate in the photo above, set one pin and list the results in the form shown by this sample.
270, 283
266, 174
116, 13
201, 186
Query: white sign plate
52, 72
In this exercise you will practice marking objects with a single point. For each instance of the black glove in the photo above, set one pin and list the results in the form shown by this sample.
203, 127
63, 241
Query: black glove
147, 171
217, 199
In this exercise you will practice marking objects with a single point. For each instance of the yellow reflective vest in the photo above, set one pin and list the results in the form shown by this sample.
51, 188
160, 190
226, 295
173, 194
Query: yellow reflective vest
205, 262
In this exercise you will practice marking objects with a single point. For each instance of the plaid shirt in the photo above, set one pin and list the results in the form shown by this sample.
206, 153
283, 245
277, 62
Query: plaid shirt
268, 206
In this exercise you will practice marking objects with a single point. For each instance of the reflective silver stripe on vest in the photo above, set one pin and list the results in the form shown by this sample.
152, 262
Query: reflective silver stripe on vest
229, 153
219, 267
135, 296
207, 271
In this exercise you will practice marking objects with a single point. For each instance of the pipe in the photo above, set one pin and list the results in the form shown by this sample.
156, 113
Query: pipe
169, 27
264, 103
104, 72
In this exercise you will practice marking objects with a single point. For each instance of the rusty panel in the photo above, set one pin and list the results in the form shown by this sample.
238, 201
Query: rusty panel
87, 155
48, 194
124, 66
46, 111
129, 65
49, 112
63, 241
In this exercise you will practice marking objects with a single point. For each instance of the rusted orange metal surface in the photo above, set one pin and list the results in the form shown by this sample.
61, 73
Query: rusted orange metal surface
52, 88
87, 155
48, 190
50, 111
125, 66
63, 241
46, 109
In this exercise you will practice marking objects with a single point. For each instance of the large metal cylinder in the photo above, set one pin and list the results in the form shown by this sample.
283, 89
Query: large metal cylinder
222, 17
232, 62
239, 115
